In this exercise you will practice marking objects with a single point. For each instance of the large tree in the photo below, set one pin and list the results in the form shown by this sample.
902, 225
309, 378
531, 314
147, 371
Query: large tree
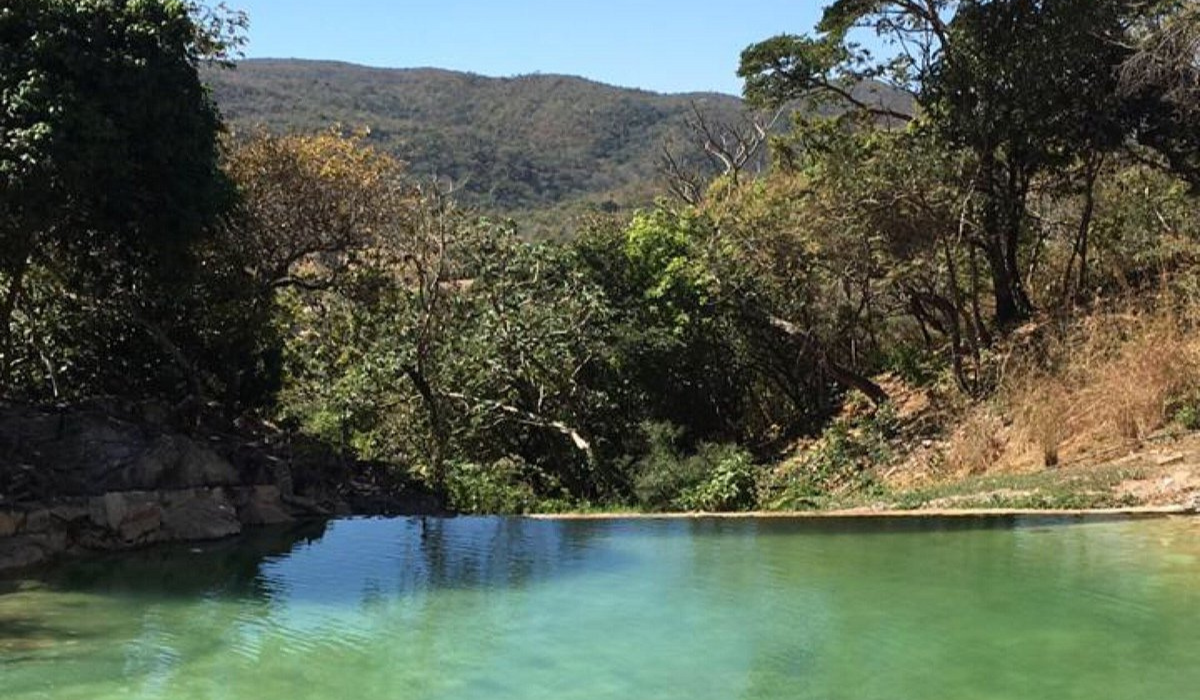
1026, 86
109, 168
1164, 76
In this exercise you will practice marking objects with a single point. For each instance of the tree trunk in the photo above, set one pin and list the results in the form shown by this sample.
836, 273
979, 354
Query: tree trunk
436, 424
1003, 211
838, 372
1080, 249
1008, 288
981, 330
7, 309
851, 379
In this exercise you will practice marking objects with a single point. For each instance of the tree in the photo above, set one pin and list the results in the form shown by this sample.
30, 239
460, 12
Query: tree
309, 204
732, 149
1164, 76
976, 70
109, 158
989, 98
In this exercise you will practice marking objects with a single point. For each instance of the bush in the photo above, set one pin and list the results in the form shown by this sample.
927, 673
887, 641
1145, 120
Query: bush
716, 478
661, 474
731, 482
496, 489
1188, 416
839, 463
912, 364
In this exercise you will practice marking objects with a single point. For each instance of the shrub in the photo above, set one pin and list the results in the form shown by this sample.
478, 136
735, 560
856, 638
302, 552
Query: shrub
661, 475
1188, 416
912, 364
495, 489
730, 484
838, 463
715, 478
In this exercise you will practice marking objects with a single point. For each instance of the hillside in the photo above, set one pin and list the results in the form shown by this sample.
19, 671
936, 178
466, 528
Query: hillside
518, 144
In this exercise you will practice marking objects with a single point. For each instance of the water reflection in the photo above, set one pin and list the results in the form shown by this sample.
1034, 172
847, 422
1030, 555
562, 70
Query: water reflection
511, 608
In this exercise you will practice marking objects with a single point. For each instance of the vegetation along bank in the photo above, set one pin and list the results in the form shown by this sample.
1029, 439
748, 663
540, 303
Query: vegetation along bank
876, 284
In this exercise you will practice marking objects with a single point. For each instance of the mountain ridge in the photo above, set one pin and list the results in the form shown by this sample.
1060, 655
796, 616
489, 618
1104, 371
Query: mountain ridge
541, 144
336, 63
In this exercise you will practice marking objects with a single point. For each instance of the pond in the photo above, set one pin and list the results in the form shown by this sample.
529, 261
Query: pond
496, 608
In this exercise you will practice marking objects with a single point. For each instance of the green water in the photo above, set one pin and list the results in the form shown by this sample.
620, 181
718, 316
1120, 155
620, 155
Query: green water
507, 608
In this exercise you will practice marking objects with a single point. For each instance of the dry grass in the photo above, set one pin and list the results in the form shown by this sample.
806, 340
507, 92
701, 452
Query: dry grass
1041, 406
978, 443
1131, 397
1104, 384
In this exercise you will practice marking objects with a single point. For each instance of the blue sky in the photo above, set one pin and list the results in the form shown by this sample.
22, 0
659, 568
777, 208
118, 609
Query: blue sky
660, 45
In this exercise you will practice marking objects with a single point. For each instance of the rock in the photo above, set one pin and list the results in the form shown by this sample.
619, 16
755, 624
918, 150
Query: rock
118, 512
38, 521
141, 524
108, 511
106, 476
71, 513
262, 505
89, 450
199, 515
175, 462
22, 553
305, 506
10, 523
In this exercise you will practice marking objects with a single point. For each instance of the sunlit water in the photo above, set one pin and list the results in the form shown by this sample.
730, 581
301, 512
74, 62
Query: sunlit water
507, 608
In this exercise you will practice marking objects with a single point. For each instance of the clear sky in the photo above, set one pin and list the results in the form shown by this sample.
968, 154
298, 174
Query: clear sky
660, 45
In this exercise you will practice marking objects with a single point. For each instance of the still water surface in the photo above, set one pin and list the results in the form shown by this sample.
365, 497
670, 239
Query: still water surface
498, 608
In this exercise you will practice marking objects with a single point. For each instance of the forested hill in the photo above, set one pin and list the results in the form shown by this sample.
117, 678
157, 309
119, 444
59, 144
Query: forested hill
513, 144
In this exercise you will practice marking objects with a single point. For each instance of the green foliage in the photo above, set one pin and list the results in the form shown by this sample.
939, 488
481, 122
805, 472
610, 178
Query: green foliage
730, 483
1146, 223
111, 190
789, 67
840, 463
1188, 416
541, 148
911, 364
715, 478
664, 251
654, 359
661, 475
500, 488
968, 66
103, 101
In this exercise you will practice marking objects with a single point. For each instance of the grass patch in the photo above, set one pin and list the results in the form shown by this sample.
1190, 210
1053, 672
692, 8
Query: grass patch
1050, 490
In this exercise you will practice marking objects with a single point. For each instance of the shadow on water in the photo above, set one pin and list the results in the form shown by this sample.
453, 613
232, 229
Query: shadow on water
683, 608
184, 569
882, 525
352, 560
341, 561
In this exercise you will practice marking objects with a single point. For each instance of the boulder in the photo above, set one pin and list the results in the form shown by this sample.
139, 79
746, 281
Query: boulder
201, 514
174, 462
22, 553
38, 521
70, 513
88, 451
130, 517
262, 505
11, 523
142, 523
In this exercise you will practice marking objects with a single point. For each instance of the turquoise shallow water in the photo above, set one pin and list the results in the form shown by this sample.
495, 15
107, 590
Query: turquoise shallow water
497, 608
